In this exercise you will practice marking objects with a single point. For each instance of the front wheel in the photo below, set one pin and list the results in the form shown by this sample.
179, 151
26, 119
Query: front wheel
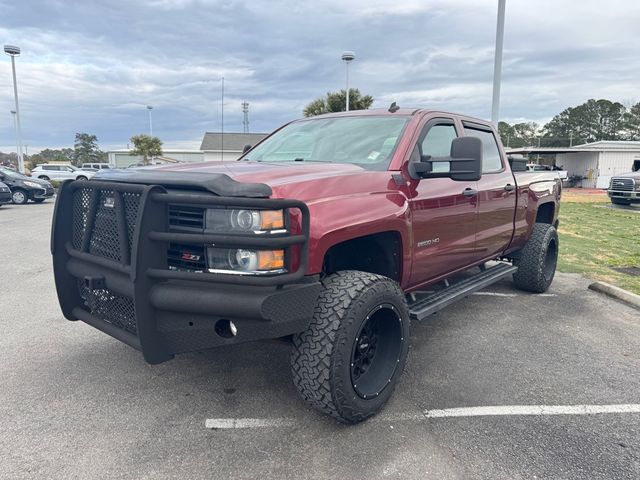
43, 177
537, 261
81, 177
19, 197
39, 200
348, 362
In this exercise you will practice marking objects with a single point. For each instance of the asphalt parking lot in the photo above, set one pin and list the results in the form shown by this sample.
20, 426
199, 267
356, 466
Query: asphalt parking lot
75, 403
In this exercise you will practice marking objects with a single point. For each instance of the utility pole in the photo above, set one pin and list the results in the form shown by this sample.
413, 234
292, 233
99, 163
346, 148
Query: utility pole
497, 64
245, 120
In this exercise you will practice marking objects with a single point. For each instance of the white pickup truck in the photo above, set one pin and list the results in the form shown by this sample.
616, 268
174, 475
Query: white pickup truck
532, 167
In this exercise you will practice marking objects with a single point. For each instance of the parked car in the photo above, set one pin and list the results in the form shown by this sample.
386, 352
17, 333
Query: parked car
52, 171
625, 189
25, 188
5, 194
96, 166
326, 234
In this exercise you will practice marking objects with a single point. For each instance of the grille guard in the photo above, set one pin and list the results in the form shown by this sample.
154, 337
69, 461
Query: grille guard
85, 274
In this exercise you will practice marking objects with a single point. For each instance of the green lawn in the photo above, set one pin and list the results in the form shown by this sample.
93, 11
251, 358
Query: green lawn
594, 238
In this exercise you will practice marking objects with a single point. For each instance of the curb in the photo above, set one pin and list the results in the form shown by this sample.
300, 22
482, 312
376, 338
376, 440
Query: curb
616, 292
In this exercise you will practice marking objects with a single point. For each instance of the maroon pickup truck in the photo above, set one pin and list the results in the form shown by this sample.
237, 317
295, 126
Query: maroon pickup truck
333, 233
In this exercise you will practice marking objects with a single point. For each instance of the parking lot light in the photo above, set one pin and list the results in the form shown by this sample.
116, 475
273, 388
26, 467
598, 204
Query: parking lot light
13, 52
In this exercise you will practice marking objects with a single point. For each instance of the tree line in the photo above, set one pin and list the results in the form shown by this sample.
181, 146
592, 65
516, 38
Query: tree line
589, 122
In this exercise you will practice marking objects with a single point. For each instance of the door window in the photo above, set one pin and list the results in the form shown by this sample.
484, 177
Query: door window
491, 160
437, 143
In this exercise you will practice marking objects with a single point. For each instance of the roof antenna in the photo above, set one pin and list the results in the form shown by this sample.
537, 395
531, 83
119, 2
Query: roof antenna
394, 108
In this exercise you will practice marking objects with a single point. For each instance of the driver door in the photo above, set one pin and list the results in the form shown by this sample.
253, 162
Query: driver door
444, 211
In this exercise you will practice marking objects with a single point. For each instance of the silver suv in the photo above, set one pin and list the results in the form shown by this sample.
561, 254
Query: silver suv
53, 171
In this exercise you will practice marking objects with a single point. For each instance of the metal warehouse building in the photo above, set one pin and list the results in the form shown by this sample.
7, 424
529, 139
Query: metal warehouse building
214, 148
594, 162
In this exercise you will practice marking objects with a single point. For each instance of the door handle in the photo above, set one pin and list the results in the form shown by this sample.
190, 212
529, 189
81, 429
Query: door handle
469, 192
509, 188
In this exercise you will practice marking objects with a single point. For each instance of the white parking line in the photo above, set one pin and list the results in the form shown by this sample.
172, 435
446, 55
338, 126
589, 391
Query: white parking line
533, 410
228, 423
496, 294
503, 410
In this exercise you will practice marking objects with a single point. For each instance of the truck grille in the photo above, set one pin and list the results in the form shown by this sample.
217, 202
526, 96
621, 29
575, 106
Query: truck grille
186, 216
105, 236
109, 307
622, 184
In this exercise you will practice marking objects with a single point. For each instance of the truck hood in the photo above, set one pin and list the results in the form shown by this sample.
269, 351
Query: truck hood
301, 180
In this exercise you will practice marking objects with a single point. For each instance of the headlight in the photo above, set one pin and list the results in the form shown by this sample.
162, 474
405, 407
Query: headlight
33, 184
249, 221
637, 181
245, 261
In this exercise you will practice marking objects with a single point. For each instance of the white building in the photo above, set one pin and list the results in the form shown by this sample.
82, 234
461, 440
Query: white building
122, 159
233, 144
595, 162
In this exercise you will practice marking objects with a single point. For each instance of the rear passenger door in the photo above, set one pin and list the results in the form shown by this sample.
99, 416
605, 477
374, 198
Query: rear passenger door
496, 195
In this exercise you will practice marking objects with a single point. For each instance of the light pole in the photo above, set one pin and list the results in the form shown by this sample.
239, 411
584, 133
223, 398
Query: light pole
497, 64
13, 52
222, 122
149, 107
348, 57
15, 128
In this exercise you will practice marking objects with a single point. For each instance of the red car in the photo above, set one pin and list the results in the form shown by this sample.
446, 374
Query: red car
324, 234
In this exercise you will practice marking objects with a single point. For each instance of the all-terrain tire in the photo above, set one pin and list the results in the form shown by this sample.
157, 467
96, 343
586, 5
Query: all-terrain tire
322, 355
537, 260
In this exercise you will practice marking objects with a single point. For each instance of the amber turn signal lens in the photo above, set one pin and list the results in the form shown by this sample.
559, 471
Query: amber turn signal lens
270, 259
271, 219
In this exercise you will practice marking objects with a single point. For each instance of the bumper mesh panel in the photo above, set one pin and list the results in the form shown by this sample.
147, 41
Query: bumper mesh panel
111, 308
105, 237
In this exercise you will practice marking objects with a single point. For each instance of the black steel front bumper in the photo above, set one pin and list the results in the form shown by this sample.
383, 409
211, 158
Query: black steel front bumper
109, 245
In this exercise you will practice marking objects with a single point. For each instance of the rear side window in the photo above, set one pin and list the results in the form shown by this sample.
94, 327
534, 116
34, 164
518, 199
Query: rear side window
437, 143
491, 161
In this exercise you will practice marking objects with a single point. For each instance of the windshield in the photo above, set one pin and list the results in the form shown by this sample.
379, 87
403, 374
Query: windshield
368, 141
7, 172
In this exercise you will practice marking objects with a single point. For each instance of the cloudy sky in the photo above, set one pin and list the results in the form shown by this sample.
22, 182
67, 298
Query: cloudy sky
93, 65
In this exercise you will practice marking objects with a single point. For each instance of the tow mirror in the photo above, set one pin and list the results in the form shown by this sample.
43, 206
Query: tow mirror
464, 162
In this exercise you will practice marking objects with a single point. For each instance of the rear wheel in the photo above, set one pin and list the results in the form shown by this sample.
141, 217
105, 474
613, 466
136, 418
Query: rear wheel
537, 260
19, 196
347, 363
620, 202
39, 200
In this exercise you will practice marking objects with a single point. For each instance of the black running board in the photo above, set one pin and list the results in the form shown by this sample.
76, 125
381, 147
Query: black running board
438, 300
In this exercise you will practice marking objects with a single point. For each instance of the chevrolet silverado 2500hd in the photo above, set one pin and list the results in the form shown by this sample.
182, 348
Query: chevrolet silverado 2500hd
327, 234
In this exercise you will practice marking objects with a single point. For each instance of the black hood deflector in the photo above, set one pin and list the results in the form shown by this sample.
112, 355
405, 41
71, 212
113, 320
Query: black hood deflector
217, 183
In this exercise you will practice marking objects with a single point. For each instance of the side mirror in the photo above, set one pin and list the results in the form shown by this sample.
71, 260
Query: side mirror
465, 162
246, 148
